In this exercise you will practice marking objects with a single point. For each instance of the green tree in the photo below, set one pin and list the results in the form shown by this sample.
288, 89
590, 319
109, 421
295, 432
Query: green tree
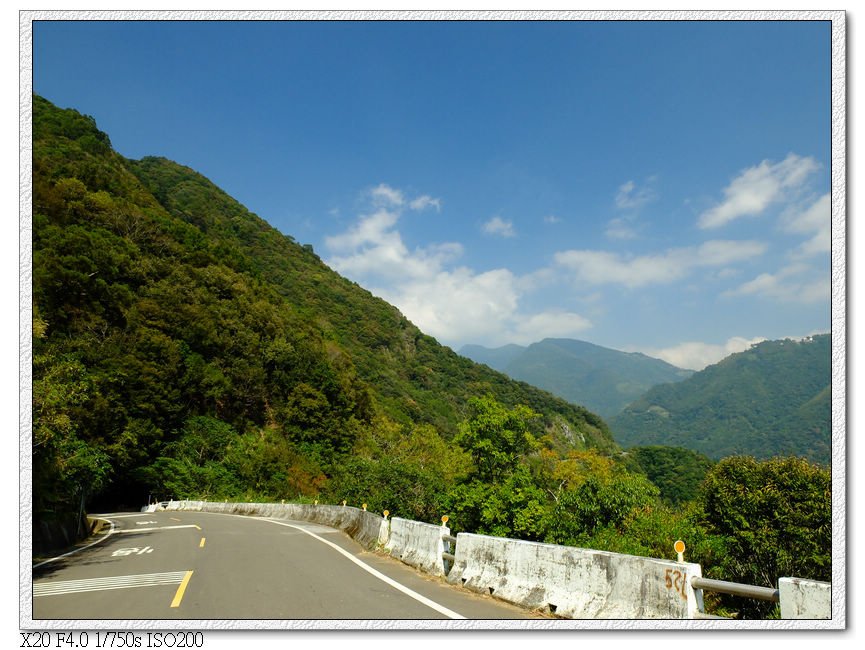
774, 519
402, 488
496, 437
597, 502
192, 466
517, 507
268, 467
421, 446
67, 469
678, 472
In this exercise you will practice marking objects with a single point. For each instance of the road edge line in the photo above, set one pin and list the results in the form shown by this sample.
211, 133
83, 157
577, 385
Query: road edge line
441, 609
76, 550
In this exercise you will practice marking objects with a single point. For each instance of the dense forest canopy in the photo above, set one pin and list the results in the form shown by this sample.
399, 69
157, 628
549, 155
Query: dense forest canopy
183, 348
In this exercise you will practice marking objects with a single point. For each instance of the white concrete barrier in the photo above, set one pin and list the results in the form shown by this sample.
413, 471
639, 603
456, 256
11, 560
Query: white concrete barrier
367, 528
417, 544
808, 599
575, 582
371, 529
570, 582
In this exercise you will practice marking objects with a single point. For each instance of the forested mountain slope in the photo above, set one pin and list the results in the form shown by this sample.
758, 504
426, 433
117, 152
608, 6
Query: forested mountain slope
180, 340
771, 400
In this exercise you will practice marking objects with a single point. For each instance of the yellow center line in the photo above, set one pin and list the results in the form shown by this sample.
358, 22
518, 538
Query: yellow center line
181, 589
174, 519
202, 542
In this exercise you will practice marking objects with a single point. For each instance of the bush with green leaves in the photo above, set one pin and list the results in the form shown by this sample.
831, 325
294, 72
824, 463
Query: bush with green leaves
496, 437
402, 488
772, 518
598, 502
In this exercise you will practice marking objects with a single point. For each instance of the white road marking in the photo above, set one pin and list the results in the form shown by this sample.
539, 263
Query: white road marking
122, 552
145, 530
441, 609
109, 533
60, 588
140, 514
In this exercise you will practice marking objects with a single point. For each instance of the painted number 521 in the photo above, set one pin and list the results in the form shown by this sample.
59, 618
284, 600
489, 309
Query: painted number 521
676, 580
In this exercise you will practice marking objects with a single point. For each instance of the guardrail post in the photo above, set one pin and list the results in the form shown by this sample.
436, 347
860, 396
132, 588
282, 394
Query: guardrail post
449, 547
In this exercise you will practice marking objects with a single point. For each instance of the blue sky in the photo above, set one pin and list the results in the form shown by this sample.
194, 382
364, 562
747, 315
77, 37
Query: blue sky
652, 186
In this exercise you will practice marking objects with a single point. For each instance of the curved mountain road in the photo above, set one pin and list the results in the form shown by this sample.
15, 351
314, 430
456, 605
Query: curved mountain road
199, 566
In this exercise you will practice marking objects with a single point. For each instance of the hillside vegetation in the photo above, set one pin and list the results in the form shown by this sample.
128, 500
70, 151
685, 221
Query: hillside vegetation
601, 379
771, 400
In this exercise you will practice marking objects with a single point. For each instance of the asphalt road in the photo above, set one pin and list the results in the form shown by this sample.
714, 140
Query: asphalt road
200, 566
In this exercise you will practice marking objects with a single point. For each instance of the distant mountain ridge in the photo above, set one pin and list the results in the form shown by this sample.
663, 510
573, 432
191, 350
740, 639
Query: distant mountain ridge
601, 379
773, 399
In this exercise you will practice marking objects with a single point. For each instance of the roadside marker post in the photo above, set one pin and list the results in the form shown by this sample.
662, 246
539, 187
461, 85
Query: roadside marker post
679, 547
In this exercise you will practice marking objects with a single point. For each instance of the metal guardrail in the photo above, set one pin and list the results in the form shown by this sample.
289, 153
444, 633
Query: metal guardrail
448, 554
736, 589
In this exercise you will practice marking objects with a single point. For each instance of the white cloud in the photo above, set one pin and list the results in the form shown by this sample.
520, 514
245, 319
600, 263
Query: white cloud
719, 252
631, 197
551, 218
797, 283
374, 230
756, 188
602, 267
694, 355
500, 227
460, 306
727, 273
454, 304
620, 228
373, 248
816, 221
549, 324
423, 202
385, 195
